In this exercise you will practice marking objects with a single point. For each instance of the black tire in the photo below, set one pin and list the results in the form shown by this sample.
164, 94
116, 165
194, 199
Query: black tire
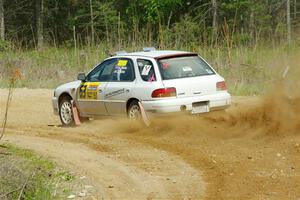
65, 112
134, 111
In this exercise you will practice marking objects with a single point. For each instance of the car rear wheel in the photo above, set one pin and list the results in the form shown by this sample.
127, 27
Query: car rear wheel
65, 112
134, 111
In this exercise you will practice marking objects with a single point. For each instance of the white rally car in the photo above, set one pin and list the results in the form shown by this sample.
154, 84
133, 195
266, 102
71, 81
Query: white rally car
159, 81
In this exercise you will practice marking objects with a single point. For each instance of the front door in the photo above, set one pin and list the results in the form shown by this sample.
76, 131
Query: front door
91, 94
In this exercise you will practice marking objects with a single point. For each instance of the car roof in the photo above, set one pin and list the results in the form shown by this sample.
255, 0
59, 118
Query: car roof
157, 54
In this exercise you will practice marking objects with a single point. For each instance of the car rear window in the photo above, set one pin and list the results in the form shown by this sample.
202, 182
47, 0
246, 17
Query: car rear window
183, 67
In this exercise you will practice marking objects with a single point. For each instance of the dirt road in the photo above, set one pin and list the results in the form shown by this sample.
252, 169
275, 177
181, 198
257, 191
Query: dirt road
250, 152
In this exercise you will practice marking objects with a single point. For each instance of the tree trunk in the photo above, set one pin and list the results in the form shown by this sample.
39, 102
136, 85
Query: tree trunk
119, 33
215, 19
169, 20
251, 24
40, 22
106, 30
160, 33
2, 25
92, 23
149, 33
295, 9
288, 20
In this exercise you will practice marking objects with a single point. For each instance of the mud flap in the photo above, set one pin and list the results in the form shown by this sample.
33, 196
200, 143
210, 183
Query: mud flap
144, 115
75, 113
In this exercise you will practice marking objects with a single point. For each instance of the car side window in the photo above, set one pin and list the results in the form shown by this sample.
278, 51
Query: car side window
146, 69
123, 71
102, 72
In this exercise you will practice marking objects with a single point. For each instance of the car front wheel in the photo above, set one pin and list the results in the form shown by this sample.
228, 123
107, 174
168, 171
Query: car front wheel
65, 112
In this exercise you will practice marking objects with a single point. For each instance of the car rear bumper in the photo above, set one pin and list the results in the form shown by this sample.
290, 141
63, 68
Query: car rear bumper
55, 105
217, 101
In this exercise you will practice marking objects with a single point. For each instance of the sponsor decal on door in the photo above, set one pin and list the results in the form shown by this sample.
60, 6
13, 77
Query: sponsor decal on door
89, 90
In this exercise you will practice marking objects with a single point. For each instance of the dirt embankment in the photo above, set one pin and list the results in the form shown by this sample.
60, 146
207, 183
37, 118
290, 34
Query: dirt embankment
249, 152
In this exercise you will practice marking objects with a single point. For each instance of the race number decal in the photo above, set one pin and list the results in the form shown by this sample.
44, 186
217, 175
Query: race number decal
89, 90
122, 63
146, 70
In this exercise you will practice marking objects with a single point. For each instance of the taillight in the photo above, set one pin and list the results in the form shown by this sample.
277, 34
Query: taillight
221, 86
164, 92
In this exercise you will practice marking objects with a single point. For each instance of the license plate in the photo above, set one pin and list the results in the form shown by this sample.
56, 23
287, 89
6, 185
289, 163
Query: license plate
200, 107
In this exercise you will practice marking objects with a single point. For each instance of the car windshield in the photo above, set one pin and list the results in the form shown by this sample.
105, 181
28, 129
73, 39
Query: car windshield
183, 67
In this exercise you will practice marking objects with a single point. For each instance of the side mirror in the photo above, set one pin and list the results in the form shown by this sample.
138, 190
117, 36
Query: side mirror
81, 77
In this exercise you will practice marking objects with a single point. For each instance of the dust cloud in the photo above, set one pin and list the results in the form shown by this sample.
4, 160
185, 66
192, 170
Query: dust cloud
274, 114
277, 112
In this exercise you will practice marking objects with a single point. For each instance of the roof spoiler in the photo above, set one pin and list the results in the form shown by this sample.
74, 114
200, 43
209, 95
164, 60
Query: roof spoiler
176, 55
148, 49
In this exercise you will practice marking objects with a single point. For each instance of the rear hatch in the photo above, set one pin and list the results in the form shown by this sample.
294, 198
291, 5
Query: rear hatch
190, 75
194, 86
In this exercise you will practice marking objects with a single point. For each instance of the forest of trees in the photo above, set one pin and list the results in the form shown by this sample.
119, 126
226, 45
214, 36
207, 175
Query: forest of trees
160, 23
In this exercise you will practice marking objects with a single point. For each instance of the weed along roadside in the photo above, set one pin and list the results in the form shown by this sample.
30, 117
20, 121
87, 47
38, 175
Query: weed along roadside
26, 175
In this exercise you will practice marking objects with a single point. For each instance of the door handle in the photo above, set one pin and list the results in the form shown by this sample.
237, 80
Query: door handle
197, 92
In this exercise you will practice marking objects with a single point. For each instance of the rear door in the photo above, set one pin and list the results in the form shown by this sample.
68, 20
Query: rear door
190, 75
148, 79
120, 87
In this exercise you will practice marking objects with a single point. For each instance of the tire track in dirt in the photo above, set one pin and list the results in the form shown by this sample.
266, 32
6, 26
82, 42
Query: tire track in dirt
116, 179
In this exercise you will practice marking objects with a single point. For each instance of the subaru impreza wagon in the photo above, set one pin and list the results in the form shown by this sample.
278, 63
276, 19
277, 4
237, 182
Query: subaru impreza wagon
157, 81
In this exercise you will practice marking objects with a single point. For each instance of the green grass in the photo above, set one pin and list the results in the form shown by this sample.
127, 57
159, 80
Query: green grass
17, 165
248, 70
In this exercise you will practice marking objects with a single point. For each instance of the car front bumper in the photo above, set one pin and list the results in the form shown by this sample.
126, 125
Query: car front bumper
55, 105
217, 101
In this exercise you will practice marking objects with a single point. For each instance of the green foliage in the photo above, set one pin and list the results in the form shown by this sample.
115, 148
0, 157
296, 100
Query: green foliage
143, 21
5, 45
186, 32
158, 8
